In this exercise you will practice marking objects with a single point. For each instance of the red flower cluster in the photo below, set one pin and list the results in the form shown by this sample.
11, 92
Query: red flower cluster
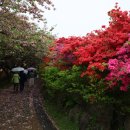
97, 47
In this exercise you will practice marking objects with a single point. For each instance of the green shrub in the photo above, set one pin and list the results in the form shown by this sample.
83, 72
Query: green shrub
71, 88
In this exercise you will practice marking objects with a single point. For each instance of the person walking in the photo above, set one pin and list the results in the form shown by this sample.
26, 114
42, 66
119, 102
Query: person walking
31, 77
22, 80
15, 80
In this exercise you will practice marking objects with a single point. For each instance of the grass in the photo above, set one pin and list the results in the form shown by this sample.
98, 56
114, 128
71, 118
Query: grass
61, 119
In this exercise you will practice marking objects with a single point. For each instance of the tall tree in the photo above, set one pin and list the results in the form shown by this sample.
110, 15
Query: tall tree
20, 40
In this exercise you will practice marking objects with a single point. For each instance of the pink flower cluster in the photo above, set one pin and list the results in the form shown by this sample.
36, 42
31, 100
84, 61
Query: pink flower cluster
120, 68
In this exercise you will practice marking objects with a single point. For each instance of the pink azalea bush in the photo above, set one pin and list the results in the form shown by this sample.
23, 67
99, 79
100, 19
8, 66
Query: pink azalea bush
120, 69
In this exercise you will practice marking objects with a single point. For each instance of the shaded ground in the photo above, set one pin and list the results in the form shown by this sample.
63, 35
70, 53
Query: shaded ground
23, 111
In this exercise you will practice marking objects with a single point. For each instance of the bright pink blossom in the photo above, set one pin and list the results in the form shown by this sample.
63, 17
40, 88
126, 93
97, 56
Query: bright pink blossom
120, 69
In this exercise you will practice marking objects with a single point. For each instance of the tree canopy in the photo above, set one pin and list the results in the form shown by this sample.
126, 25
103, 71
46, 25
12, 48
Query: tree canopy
34, 7
21, 42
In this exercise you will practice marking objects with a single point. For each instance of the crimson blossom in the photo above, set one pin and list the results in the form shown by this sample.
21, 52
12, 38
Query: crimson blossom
95, 49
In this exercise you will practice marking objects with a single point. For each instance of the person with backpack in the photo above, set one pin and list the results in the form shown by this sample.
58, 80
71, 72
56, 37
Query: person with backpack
16, 80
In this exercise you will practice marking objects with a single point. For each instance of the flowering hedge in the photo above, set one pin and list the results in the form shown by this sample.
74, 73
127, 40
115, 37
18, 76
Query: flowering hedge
103, 57
102, 53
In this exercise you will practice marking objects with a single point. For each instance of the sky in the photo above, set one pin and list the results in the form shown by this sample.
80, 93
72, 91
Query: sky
79, 17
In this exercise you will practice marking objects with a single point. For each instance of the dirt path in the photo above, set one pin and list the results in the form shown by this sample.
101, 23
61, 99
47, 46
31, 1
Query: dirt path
23, 111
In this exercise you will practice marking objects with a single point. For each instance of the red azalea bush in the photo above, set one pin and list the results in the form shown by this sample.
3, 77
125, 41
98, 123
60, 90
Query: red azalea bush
96, 51
96, 48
